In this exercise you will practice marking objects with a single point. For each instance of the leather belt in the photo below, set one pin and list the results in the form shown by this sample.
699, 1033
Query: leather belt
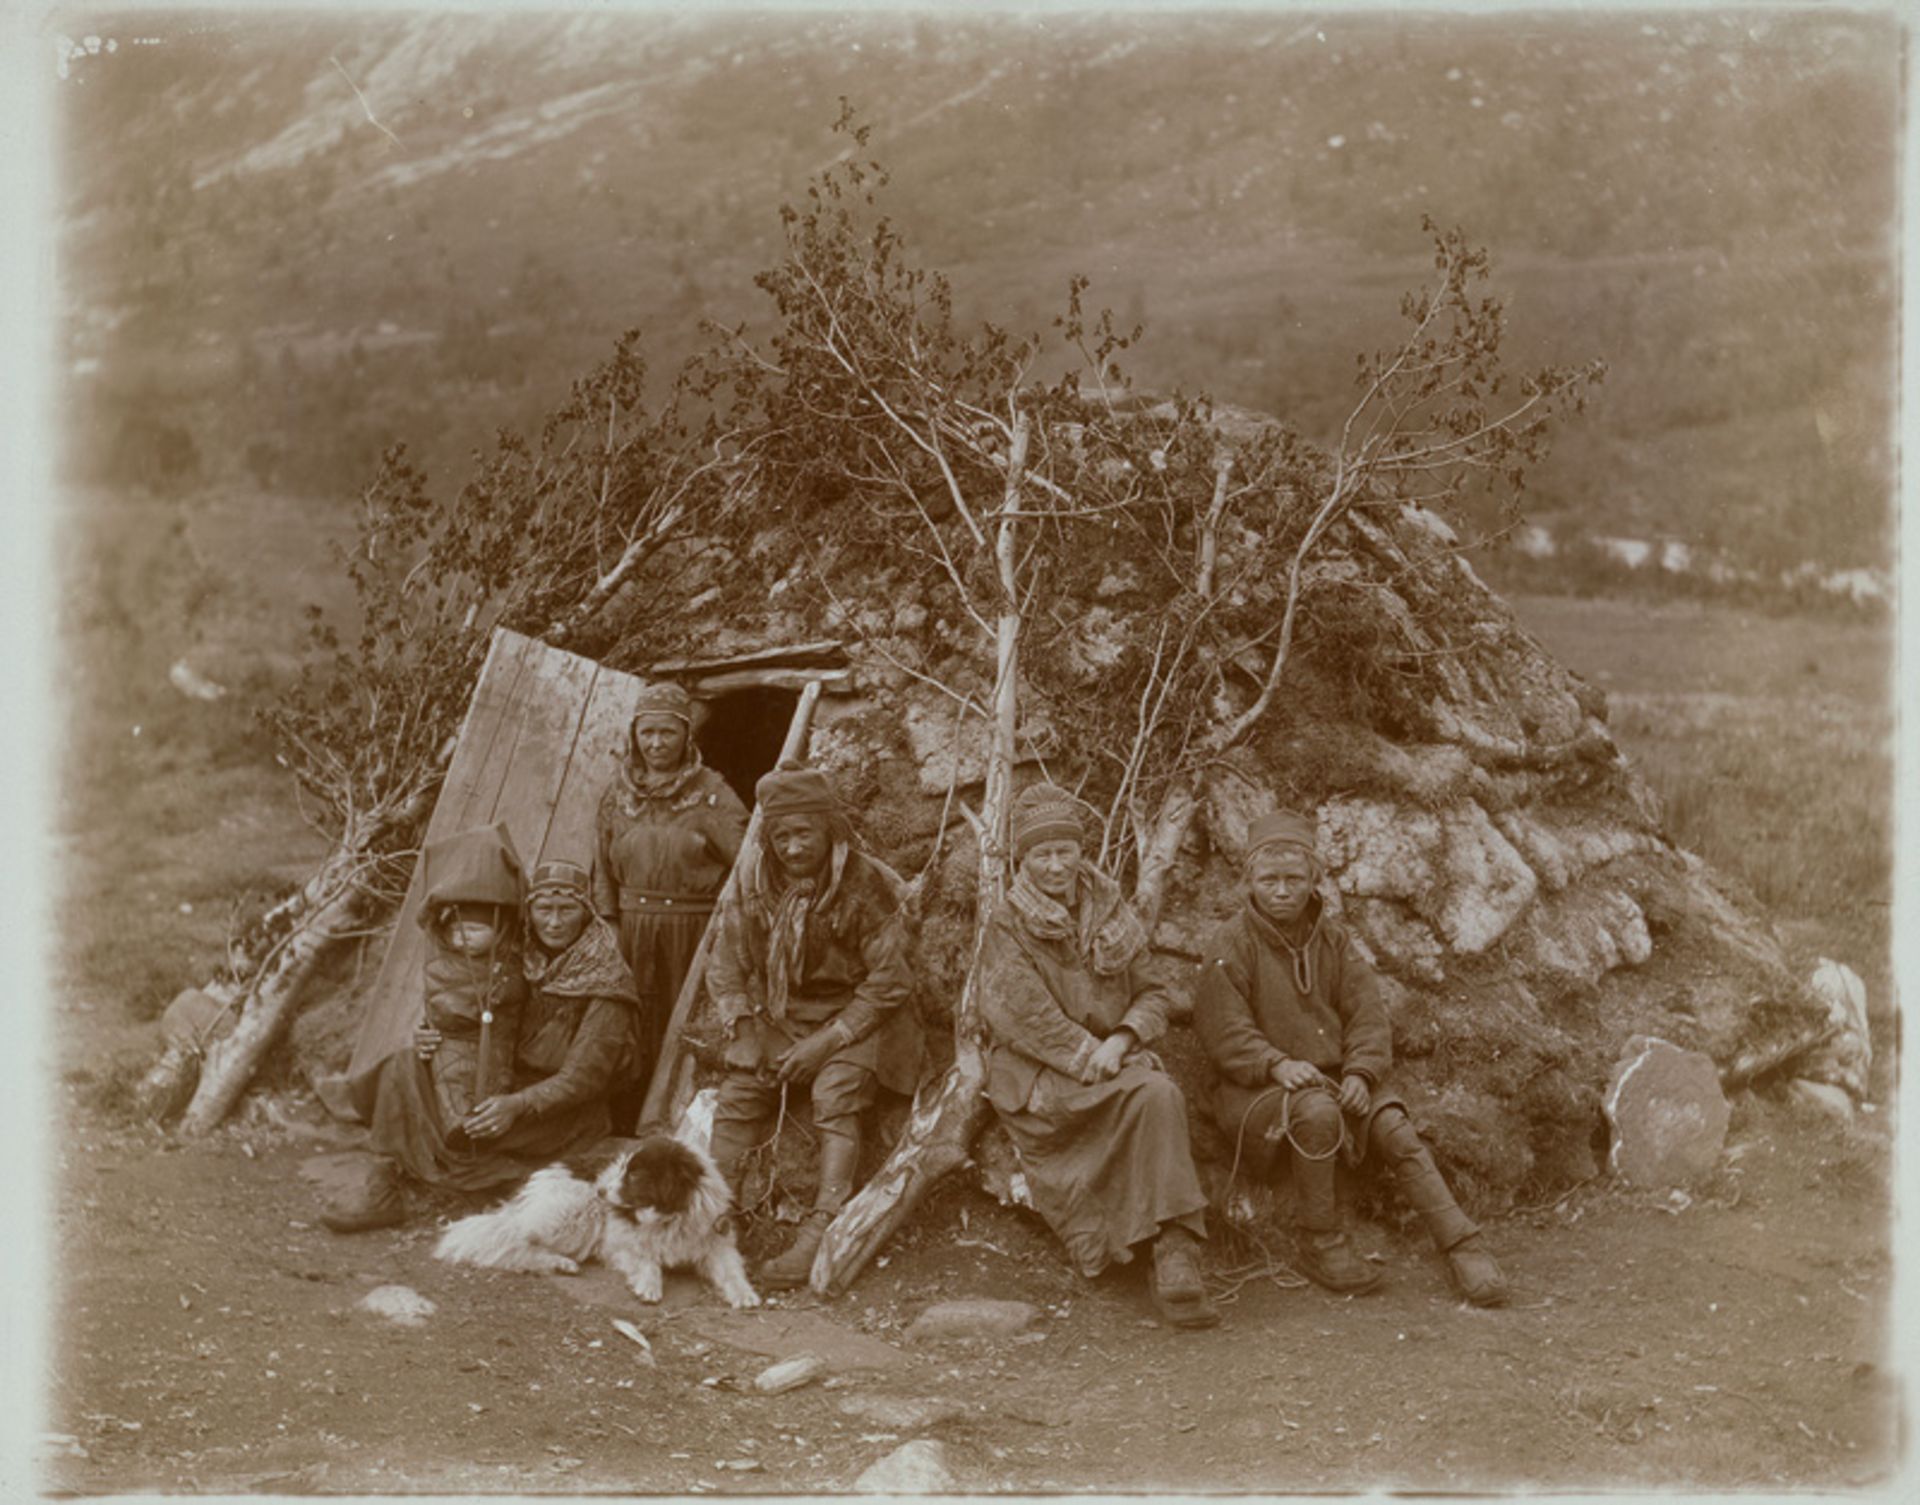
638, 900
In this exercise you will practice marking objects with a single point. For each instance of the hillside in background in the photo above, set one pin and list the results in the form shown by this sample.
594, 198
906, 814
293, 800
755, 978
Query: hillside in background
289, 241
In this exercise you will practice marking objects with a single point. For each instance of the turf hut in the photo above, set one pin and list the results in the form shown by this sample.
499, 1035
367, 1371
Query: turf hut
1486, 840
1187, 613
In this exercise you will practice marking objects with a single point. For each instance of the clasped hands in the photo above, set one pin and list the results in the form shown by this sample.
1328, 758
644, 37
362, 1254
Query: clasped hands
1111, 1054
1354, 1095
803, 1058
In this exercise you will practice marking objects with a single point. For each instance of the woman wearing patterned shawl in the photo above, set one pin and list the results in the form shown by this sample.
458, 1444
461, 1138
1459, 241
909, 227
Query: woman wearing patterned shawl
667, 833
1071, 1008
810, 975
575, 1036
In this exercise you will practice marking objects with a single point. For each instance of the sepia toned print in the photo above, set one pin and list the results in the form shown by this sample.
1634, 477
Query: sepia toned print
1463, 443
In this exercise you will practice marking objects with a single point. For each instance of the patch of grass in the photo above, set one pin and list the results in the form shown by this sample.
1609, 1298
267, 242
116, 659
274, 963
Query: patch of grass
172, 815
1797, 812
1768, 740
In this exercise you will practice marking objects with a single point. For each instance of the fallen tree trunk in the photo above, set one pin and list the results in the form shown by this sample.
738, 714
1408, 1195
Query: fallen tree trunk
266, 969
171, 1082
271, 996
938, 1138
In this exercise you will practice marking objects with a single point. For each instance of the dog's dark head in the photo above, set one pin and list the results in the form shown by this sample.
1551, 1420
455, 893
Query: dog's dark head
659, 1175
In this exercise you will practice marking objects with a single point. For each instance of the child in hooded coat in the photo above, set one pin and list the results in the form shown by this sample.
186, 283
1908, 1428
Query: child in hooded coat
471, 981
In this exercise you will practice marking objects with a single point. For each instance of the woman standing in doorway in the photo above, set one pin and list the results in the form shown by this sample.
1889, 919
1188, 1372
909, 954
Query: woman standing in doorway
669, 828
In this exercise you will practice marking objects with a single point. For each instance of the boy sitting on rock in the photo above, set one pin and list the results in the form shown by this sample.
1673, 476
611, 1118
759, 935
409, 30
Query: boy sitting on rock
1293, 1021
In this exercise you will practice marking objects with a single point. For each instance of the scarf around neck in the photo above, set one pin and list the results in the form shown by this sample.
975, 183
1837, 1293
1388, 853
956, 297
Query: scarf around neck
638, 787
591, 967
1101, 925
1273, 935
785, 912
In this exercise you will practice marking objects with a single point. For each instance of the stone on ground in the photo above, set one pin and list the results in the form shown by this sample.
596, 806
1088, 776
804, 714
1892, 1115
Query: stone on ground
1823, 1096
399, 1304
1846, 1058
914, 1468
1668, 1114
194, 1018
790, 1374
973, 1318
902, 1413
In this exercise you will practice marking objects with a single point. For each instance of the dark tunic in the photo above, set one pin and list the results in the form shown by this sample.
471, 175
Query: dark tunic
473, 1001
856, 971
660, 860
1107, 1163
463, 993
571, 1046
1251, 1013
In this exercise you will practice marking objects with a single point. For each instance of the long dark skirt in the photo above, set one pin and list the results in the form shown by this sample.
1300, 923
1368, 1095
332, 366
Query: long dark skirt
1108, 1164
660, 949
407, 1124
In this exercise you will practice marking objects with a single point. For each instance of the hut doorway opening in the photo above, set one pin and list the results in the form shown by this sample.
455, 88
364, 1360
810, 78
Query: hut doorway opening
743, 732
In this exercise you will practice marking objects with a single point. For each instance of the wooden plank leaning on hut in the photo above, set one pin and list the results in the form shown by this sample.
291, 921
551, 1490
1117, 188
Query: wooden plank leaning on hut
534, 752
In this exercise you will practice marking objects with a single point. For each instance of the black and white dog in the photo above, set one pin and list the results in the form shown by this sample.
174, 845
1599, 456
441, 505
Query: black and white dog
660, 1204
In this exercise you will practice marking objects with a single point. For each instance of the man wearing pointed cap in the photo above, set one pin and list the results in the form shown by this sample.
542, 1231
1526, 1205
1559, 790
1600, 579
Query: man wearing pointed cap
666, 834
811, 977
1293, 1020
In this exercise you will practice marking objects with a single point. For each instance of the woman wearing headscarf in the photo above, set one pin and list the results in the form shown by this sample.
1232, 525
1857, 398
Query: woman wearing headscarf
1071, 1009
667, 833
811, 978
576, 1031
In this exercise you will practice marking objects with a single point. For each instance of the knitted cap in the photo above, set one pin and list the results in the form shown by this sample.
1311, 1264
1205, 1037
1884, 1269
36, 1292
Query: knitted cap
664, 699
1279, 828
567, 878
795, 791
1044, 812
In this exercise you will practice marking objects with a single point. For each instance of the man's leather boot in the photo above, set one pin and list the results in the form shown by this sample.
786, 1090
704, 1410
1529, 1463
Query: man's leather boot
1476, 1273
839, 1159
1327, 1258
1178, 1290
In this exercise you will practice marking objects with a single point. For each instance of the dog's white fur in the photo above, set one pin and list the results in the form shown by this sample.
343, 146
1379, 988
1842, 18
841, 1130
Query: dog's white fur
557, 1222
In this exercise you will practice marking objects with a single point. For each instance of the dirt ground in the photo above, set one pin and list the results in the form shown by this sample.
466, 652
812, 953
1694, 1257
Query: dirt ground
209, 1338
